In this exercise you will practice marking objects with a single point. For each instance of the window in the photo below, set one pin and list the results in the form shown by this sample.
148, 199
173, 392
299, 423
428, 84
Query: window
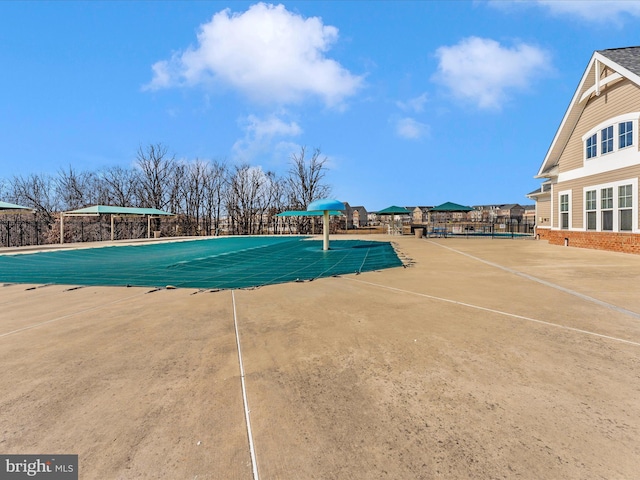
611, 207
592, 146
590, 207
606, 140
610, 137
606, 204
625, 134
564, 211
625, 207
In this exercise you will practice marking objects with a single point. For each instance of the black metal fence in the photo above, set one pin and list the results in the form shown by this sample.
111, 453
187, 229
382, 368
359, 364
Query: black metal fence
23, 230
18, 230
476, 229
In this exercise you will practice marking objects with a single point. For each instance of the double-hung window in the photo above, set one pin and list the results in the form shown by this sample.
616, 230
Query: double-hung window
592, 146
606, 140
625, 207
564, 211
606, 207
591, 205
625, 134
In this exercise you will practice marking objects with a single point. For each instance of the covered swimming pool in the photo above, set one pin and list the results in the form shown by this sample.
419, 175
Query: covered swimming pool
219, 263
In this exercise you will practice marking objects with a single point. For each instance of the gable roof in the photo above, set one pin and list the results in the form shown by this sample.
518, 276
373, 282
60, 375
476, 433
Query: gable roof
451, 207
625, 62
510, 206
628, 57
393, 210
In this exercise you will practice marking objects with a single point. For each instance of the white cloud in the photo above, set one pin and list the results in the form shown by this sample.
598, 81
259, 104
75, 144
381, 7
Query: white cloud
414, 104
411, 129
595, 11
270, 127
267, 52
263, 136
482, 71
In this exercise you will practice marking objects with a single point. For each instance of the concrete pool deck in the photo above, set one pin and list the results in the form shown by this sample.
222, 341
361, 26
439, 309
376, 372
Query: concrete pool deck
483, 359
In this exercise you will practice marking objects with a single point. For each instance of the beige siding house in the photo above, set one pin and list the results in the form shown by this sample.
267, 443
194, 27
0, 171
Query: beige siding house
419, 215
354, 217
589, 194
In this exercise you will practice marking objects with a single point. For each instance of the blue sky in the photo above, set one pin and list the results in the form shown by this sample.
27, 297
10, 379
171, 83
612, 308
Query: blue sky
412, 103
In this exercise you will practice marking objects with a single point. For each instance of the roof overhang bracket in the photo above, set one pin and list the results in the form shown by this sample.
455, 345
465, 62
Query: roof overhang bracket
597, 88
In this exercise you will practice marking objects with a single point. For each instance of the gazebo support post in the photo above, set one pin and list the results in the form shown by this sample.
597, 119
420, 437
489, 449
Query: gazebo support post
112, 227
61, 227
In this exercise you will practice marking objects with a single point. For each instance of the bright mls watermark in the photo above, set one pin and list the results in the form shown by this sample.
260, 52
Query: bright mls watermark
47, 467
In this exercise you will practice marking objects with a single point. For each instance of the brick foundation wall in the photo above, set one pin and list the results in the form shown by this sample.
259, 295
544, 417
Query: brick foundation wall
614, 241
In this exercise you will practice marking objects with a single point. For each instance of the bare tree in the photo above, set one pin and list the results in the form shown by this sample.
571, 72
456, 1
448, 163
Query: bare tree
77, 189
119, 185
37, 191
277, 196
214, 194
192, 192
3, 188
246, 199
156, 172
200, 192
304, 183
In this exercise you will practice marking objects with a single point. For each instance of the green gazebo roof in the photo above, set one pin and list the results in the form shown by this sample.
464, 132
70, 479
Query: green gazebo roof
110, 209
12, 206
451, 207
394, 210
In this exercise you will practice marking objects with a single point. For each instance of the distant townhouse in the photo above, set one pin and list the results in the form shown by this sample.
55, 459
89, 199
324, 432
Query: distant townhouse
484, 213
419, 215
355, 217
510, 213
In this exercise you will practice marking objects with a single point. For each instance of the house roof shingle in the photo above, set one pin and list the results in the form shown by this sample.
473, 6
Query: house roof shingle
628, 57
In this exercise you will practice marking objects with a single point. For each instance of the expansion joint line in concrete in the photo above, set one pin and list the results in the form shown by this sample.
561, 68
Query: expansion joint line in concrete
544, 282
252, 450
491, 310
98, 307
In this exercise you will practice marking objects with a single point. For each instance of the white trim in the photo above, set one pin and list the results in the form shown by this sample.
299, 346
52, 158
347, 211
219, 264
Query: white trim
552, 207
584, 209
628, 156
616, 209
565, 118
614, 161
569, 212
603, 83
625, 117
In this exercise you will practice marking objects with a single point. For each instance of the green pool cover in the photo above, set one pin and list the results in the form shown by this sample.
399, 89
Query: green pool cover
220, 263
